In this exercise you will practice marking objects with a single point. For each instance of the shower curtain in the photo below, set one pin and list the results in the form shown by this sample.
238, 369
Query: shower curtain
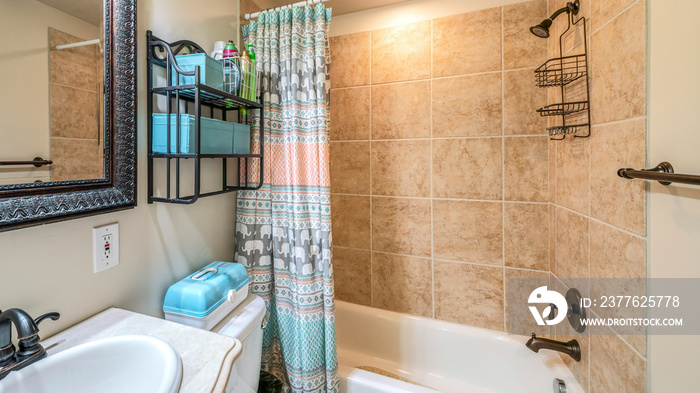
283, 230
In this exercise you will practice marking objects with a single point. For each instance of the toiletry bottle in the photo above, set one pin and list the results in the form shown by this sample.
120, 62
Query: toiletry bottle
218, 52
230, 51
254, 74
231, 69
245, 71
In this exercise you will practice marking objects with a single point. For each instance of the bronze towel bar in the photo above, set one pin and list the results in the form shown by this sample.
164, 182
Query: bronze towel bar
663, 173
37, 162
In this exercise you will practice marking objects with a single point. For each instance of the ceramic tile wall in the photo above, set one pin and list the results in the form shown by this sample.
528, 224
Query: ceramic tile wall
598, 219
439, 174
74, 103
445, 185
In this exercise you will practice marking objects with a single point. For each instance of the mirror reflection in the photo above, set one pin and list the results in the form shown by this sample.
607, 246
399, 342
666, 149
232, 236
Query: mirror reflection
51, 76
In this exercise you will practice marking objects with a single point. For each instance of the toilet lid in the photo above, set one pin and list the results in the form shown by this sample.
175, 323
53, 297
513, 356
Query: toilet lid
243, 319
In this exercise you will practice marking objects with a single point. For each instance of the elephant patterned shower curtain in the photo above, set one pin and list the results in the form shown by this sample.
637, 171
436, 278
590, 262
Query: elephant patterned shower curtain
283, 230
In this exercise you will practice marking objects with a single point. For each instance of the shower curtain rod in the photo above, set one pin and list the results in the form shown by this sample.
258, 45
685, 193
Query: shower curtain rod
299, 4
76, 44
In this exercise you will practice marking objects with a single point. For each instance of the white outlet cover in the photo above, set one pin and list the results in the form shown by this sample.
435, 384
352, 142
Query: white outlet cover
103, 258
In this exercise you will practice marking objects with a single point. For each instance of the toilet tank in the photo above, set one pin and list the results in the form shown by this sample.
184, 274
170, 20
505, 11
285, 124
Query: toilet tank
245, 324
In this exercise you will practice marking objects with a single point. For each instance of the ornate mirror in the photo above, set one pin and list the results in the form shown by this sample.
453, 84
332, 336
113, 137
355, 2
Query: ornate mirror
68, 109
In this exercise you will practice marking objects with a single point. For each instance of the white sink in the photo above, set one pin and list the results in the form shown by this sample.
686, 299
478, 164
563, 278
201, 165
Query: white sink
134, 364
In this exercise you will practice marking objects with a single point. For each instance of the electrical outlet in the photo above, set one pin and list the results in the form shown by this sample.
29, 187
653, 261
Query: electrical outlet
105, 241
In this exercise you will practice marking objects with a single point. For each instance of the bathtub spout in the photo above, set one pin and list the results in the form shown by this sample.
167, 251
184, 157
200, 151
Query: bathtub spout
570, 348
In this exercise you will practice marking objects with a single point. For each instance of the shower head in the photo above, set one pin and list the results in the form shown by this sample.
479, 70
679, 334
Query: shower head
542, 30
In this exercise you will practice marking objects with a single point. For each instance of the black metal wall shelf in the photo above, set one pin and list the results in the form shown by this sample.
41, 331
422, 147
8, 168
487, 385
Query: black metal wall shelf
209, 96
562, 72
200, 97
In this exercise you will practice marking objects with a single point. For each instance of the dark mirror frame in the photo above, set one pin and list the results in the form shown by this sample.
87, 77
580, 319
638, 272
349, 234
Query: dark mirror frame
23, 205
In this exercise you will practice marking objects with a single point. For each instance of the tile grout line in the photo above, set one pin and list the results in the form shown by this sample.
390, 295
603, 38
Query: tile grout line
503, 175
621, 337
443, 260
609, 21
597, 125
432, 207
599, 221
616, 334
586, 49
75, 88
371, 218
445, 138
552, 231
72, 138
431, 77
487, 265
442, 199
613, 122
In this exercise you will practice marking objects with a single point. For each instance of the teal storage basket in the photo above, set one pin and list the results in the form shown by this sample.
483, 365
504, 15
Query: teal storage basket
241, 138
211, 72
202, 292
216, 135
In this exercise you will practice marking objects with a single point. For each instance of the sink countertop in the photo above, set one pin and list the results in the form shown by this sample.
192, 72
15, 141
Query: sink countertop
207, 358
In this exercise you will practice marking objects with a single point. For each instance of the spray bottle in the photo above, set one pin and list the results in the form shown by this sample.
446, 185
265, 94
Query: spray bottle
230, 51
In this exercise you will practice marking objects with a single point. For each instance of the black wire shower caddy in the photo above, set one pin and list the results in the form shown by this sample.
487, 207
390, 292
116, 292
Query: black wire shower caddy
195, 97
560, 72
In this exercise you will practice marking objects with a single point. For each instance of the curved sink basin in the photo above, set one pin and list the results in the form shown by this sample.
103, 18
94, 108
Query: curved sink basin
134, 364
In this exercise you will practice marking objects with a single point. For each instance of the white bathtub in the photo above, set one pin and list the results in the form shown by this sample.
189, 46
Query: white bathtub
446, 357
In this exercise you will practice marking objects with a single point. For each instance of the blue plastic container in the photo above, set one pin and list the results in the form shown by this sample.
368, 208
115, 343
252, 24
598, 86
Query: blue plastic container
241, 138
204, 297
216, 135
211, 72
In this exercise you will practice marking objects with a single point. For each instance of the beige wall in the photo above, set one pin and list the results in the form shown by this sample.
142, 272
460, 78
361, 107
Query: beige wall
49, 268
674, 212
439, 164
24, 65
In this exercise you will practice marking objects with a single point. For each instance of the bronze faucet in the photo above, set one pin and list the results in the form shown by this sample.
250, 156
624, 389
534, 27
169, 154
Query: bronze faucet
570, 348
27, 336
